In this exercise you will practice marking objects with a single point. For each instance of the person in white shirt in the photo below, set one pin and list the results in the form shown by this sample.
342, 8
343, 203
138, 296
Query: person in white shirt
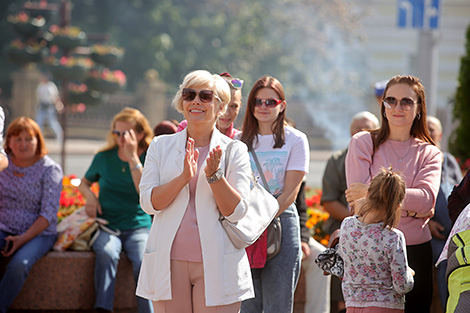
284, 155
48, 100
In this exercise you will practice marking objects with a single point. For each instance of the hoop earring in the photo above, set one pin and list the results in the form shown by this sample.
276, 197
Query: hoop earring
385, 114
418, 116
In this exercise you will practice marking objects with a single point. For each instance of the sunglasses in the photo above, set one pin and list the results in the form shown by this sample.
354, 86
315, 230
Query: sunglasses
205, 96
117, 133
405, 103
236, 83
270, 103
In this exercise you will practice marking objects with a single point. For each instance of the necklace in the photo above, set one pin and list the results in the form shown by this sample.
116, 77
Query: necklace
123, 166
400, 158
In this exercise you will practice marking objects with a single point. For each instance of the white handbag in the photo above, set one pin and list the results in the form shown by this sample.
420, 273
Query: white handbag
262, 208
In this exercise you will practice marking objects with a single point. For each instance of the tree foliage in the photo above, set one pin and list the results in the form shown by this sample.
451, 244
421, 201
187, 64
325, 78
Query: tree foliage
311, 46
246, 38
460, 139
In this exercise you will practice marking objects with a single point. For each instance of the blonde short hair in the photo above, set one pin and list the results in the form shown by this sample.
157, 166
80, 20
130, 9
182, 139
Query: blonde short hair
202, 78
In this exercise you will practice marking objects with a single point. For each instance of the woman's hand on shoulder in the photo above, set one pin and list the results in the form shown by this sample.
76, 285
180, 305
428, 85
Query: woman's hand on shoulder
356, 191
356, 207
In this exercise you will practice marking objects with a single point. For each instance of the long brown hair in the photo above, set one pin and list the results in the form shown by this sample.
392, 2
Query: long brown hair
32, 128
250, 123
385, 194
419, 128
138, 122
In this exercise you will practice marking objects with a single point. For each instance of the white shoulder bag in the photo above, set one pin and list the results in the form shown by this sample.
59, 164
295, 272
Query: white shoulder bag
262, 208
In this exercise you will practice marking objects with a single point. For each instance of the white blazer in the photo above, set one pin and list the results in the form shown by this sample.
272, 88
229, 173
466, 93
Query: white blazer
227, 272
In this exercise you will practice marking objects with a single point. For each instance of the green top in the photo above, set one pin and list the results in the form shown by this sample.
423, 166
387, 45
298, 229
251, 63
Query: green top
118, 198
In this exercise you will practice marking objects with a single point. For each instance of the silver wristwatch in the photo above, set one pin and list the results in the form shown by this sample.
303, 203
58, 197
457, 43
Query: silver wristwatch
215, 177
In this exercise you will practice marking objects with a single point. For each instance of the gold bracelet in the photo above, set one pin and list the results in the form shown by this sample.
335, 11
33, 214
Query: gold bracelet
138, 166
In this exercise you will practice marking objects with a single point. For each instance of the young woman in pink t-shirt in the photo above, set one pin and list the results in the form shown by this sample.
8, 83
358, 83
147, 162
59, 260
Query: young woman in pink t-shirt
403, 142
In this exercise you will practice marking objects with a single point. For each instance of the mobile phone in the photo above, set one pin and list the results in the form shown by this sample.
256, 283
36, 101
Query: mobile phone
8, 245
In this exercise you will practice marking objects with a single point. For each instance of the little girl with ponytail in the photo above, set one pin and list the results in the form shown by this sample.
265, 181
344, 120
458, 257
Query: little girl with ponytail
376, 272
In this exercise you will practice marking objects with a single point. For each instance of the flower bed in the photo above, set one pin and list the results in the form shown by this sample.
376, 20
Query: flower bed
71, 198
79, 93
106, 55
106, 81
21, 53
317, 216
74, 68
26, 25
67, 37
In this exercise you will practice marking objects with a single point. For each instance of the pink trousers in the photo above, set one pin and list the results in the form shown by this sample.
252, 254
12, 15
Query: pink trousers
372, 309
187, 290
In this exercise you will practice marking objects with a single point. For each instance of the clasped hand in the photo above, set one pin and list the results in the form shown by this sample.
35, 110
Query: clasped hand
191, 158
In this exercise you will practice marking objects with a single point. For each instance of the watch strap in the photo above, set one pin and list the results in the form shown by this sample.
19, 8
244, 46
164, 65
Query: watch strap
215, 177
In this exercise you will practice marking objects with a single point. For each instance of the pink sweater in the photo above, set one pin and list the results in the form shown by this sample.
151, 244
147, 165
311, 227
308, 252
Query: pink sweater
420, 168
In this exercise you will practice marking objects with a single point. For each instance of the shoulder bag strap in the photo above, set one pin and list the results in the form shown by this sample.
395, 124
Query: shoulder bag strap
227, 155
260, 170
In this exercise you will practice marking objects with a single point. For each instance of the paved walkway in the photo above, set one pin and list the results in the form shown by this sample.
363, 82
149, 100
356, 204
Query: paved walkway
79, 154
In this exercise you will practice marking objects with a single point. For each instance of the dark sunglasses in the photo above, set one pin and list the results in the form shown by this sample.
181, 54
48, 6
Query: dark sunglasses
270, 103
405, 103
117, 133
205, 96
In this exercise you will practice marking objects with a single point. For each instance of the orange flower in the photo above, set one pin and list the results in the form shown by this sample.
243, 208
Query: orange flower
70, 197
317, 216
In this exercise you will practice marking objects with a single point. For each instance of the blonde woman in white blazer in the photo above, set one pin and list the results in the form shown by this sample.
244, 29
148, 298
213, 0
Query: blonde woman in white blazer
190, 264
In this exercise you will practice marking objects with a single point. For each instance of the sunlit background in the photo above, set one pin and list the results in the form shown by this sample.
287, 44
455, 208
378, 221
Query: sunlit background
328, 54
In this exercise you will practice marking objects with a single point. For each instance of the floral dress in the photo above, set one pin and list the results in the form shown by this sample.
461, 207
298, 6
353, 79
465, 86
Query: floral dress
376, 271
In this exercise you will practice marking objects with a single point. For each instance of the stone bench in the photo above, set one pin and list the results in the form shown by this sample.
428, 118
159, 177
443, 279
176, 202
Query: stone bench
64, 281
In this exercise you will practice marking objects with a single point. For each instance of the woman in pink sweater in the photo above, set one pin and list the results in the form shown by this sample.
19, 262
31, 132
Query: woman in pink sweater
403, 143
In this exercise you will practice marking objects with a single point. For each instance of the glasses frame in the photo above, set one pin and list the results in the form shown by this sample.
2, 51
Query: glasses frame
259, 102
406, 106
118, 133
194, 93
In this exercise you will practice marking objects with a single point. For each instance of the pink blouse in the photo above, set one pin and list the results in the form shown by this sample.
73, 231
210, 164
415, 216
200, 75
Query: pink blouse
187, 243
418, 162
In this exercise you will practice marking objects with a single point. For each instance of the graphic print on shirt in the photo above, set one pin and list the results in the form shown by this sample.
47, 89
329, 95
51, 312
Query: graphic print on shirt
273, 164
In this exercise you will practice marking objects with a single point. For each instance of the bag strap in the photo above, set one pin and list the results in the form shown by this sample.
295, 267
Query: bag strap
260, 170
227, 155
